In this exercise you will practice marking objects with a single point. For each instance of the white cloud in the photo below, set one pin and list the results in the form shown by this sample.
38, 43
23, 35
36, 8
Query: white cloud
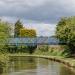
42, 29
9, 19
39, 14
38, 10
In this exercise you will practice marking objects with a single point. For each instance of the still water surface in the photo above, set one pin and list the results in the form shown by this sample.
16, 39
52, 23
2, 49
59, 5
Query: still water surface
35, 66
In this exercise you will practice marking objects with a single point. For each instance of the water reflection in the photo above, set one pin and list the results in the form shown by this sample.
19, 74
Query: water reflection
22, 63
35, 66
64, 71
1, 70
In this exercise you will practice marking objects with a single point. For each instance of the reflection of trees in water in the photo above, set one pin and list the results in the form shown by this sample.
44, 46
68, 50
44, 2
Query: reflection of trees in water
43, 61
1, 69
22, 63
65, 71
31, 59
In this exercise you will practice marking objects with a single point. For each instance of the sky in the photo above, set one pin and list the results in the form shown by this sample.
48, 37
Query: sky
42, 15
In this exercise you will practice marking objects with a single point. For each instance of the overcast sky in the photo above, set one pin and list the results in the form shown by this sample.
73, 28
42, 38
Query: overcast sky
41, 15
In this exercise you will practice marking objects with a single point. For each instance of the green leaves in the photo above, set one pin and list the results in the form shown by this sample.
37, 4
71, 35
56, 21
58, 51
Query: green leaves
18, 26
65, 30
27, 33
4, 34
20, 31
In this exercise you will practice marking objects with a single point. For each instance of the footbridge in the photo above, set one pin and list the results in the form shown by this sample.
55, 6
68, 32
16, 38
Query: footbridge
33, 41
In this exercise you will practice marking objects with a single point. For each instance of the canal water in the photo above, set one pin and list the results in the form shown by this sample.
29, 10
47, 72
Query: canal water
35, 66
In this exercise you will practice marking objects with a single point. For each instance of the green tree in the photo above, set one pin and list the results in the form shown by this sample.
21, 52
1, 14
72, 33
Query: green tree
5, 30
29, 33
18, 26
65, 31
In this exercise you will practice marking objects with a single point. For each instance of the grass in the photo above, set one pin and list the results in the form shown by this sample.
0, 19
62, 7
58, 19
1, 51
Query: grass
52, 53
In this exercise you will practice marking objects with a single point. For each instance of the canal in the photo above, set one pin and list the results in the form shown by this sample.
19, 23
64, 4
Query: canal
35, 66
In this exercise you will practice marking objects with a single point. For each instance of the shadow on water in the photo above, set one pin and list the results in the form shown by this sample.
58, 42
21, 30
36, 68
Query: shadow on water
1, 70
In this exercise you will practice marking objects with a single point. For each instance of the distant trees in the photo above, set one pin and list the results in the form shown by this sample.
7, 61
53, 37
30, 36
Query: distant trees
19, 31
65, 31
18, 26
27, 33
22, 32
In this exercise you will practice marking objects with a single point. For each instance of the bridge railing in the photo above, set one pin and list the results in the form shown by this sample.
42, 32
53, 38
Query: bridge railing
34, 41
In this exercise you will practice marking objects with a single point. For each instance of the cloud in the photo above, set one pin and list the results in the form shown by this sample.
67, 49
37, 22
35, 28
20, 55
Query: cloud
48, 11
42, 29
39, 14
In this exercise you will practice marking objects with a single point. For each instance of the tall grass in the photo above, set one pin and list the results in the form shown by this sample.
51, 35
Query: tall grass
52, 51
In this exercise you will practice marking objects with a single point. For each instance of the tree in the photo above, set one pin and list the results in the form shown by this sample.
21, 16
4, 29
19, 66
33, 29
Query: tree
29, 33
5, 30
18, 26
65, 31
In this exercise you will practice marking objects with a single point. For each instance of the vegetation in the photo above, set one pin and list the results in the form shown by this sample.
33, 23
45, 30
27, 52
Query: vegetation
4, 34
53, 50
65, 32
18, 26
5, 30
21, 32
27, 33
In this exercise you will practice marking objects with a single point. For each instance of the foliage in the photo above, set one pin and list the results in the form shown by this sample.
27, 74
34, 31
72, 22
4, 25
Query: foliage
4, 34
52, 51
31, 49
5, 30
65, 31
27, 33
20, 31
43, 48
18, 26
